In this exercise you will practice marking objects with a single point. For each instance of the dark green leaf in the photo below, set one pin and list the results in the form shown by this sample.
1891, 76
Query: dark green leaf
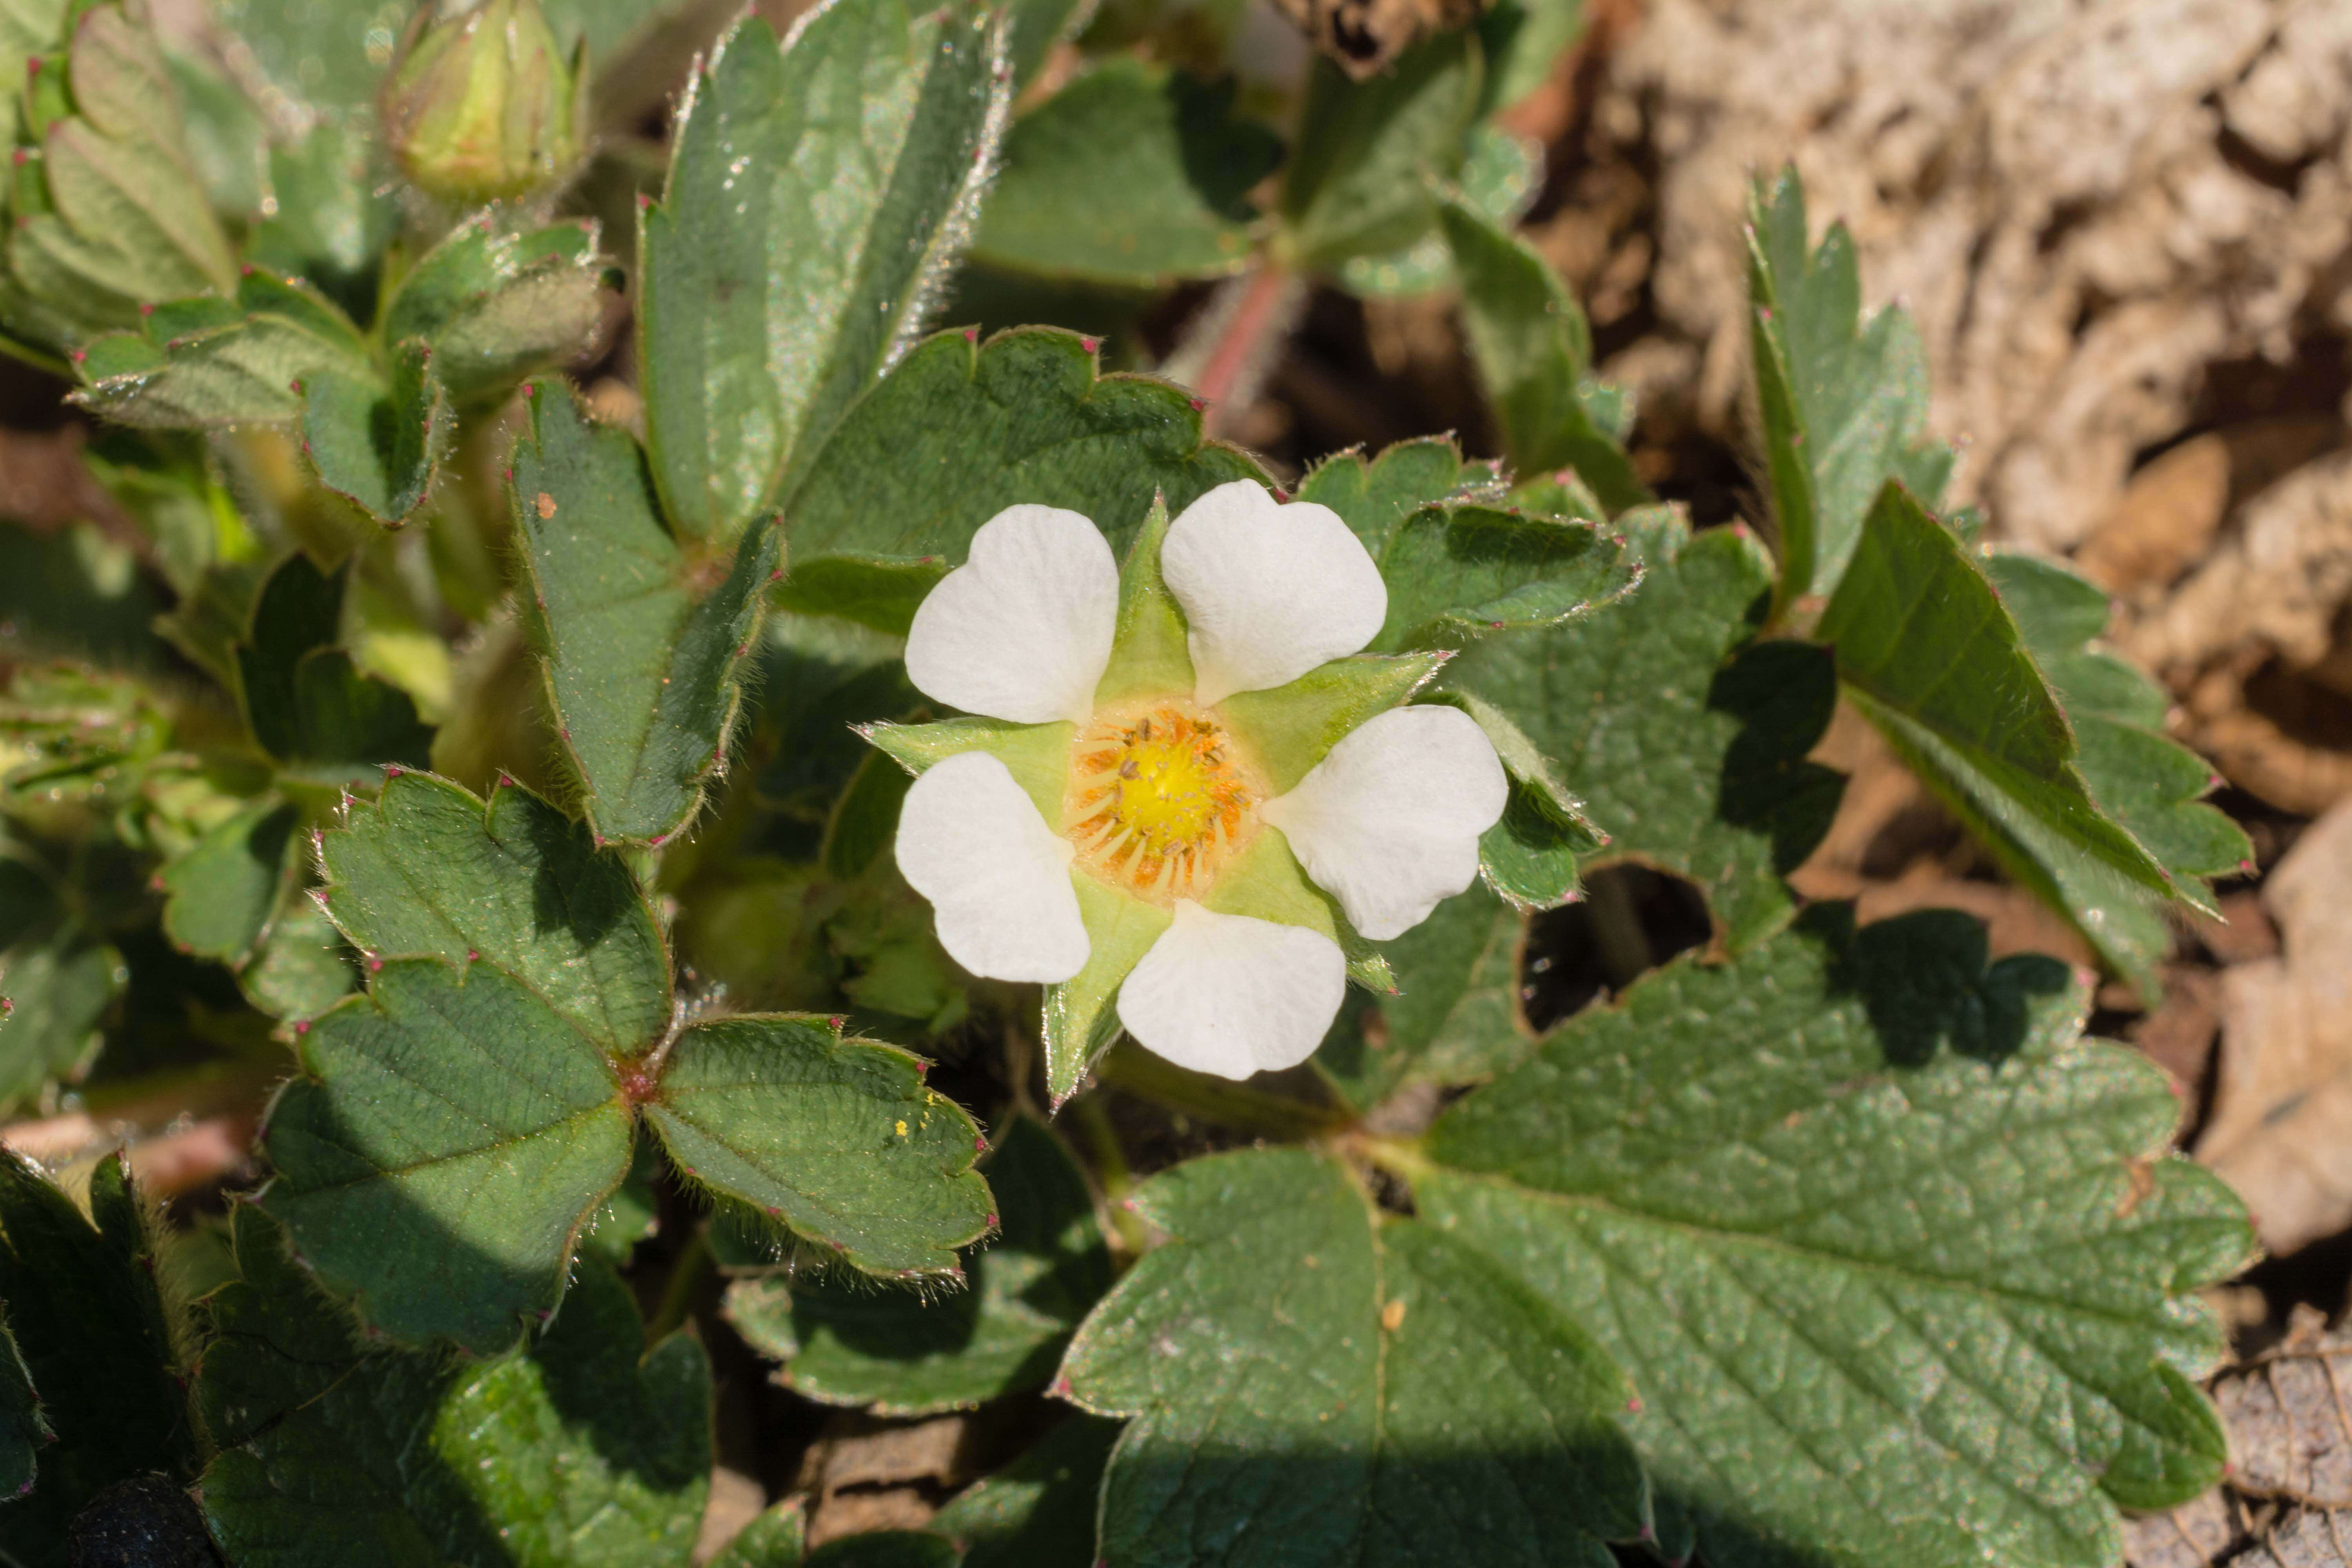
380, 444
496, 306
85, 1314
221, 893
1357, 181
885, 1549
1456, 573
24, 1430
76, 593
1500, 175
1310, 1385
815, 195
1928, 653
957, 433
879, 591
446, 1144
1375, 498
429, 869
644, 663
1455, 1018
303, 967
846, 1343
776, 1539
1686, 744
1131, 175
836, 1140
1039, 1510
303, 699
1843, 402
582, 1449
1524, 40
1896, 1253
57, 978
1534, 353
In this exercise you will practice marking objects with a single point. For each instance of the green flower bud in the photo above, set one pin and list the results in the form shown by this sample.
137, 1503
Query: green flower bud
481, 105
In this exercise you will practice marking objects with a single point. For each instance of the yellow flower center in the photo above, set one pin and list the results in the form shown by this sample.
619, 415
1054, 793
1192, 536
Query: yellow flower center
1159, 799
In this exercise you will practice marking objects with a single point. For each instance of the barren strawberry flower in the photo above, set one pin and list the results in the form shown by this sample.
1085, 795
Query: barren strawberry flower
1183, 798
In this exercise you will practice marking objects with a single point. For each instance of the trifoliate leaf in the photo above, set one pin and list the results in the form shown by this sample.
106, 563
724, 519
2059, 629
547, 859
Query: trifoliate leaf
1375, 498
497, 306
1686, 744
1843, 402
379, 441
1312, 1386
1456, 1017
815, 194
2151, 786
301, 968
220, 893
836, 1140
1039, 1510
1894, 1255
1928, 653
1132, 174
58, 976
1534, 353
1455, 574
85, 1315
846, 1343
958, 432
304, 700
207, 364
428, 869
1357, 181
447, 1142
643, 642
582, 1449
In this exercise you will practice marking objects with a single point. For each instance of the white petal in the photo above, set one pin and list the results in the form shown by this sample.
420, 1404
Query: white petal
1389, 823
1231, 995
1270, 591
970, 840
1022, 630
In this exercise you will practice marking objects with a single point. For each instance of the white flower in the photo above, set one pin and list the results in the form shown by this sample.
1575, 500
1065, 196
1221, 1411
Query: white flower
1179, 744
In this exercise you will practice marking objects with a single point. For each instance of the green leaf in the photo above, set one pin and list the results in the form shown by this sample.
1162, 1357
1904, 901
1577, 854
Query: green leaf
58, 977
836, 1140
815, 196
1456, 573
903, 1354
1039, 1510
1896, 1255
338, 211
879, 591
1843, 402
885, 1549
585, 1449
1311, 1385
429, 869
1524, 40
1455, 1018
644, 672
246, 366
448, 1141
1534, 353
302, 967
304, 700
219, 894
496, 306
776, 1539
1356, 184
24, 1430
1500, 175
958, 432
1132, 174
380, 444
1686, 744
86, 1317
129, 219
329, 57
28, 27
1927, 652
1375, 498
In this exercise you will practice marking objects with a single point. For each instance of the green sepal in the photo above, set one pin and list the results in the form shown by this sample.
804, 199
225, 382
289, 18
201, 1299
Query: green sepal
1149, 653
1289, 728
1081, 1017
1037, 755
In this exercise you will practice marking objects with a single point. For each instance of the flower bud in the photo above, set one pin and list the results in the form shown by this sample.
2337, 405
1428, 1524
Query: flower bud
481, 104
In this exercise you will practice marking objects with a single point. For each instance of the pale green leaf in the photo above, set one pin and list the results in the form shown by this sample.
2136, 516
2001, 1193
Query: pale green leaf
814, 194
1357, 181
1895, 1255
220, 893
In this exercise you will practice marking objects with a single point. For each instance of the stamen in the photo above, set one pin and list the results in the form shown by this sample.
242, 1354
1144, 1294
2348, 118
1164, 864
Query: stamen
1159, 800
